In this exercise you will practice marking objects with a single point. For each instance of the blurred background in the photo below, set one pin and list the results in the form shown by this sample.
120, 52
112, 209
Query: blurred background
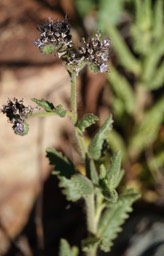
33, 213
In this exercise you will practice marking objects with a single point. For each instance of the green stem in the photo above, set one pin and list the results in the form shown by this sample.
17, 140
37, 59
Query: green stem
91, 223
74, 116
74, 96
90, 207
42, 114
90, 199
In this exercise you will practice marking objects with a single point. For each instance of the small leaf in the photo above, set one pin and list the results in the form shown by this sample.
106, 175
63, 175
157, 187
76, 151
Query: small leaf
76, 187
110, 179
110, 195
61, 164
46, 105
89, 242
114, 172
91, 170
60, 111
65, 249
86, 121
96, 144
113, 217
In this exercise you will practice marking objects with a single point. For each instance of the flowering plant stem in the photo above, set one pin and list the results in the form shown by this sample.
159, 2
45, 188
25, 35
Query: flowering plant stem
73, 77
89, 200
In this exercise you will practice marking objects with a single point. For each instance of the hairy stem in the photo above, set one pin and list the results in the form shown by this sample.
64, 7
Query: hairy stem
74, 96
90, 199
91, 222
90, 208
74, 117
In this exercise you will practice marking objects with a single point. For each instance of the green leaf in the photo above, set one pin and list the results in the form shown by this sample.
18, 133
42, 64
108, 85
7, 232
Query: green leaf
146, 132
86, 121
116, 143
122, 89
61, 164
113, 217
49, 107
111, 11
109, 194
96, 144
152, 60
110, 178
158, 19
125, 57
46, 105
60, 111
78, 186
158, 79
91, 170
114, 173
66, 249
89, 242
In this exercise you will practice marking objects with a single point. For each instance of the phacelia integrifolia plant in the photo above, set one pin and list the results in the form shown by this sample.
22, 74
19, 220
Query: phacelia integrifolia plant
106, 210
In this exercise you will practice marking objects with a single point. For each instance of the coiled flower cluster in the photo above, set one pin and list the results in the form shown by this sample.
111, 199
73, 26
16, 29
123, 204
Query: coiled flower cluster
56, 34
17, 113
55, 37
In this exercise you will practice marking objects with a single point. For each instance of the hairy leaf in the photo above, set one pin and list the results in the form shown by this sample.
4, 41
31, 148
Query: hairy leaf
86, 121
113, 217
89, 242
76, 187
110, 178
46, 105
114, 172
66, 249
96, 144
62, 165
60, 111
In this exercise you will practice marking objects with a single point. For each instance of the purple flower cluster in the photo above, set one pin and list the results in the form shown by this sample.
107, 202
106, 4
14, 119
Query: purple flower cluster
55, 33
17, 112
55, 36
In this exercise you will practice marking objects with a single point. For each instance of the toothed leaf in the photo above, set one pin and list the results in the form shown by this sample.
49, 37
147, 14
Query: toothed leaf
46, 105
113, 218
96, 144
86, 121
62, 165
66, 249
114, 172
76, 187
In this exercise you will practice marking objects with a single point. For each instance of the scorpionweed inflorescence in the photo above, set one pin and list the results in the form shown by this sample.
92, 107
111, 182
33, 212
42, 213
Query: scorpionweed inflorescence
105, 209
